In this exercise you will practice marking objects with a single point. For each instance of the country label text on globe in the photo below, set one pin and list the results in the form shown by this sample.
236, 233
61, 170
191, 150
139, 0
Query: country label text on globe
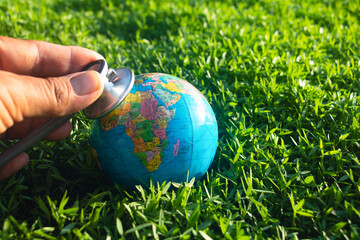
164, 129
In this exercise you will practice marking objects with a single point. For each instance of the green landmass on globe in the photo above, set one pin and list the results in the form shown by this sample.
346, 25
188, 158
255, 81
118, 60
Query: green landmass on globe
164, 130
146, 120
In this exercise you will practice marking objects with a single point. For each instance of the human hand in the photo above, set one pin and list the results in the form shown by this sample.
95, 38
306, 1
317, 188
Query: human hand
39, 80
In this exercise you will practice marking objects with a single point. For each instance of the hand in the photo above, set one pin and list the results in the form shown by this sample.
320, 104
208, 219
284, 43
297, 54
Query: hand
39, 80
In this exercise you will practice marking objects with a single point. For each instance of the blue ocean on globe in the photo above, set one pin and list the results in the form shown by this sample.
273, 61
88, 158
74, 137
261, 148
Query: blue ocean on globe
164, 130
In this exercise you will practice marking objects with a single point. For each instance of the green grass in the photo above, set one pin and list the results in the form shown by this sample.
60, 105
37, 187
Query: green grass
283, 80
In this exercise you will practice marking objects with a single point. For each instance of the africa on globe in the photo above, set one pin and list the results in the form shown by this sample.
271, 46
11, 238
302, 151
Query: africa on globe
164, 130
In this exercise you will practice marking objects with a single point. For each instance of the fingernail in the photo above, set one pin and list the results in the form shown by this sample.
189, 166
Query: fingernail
85, 83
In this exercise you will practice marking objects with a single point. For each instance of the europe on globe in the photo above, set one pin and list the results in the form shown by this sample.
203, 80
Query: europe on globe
164, 130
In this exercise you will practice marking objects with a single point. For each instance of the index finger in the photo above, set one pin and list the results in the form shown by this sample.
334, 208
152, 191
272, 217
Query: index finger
42, 59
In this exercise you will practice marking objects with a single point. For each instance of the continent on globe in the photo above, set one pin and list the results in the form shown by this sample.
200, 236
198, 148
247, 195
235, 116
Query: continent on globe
164, 130
146, 115
176, 147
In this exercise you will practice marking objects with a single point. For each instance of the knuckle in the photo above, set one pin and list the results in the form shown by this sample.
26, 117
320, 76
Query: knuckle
6, 121
61, 96
36, 66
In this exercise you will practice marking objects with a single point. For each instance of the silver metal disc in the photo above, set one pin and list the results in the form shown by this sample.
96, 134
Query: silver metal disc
114, 93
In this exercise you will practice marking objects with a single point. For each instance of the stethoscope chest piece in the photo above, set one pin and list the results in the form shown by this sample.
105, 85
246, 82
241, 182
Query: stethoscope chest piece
117, 85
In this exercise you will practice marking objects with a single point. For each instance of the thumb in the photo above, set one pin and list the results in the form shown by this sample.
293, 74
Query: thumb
25, 96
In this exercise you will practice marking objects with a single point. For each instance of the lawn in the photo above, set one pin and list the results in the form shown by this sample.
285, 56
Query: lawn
283, 80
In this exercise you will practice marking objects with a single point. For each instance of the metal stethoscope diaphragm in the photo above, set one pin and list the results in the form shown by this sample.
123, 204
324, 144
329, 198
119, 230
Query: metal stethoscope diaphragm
117, 85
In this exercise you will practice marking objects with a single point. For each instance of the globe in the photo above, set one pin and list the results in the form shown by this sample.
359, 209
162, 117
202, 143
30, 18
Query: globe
164, 130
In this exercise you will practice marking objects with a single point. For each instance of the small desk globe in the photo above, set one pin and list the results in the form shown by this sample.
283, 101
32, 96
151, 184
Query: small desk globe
164, 130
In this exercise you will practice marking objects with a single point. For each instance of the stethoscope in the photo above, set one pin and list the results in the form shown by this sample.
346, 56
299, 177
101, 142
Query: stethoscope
117, 85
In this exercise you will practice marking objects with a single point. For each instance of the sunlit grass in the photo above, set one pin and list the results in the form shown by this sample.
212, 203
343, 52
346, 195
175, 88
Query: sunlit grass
283, 80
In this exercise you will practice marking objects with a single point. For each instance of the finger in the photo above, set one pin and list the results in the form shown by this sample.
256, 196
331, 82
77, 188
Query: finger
26, 97
21, 129
42, 59
13, 166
